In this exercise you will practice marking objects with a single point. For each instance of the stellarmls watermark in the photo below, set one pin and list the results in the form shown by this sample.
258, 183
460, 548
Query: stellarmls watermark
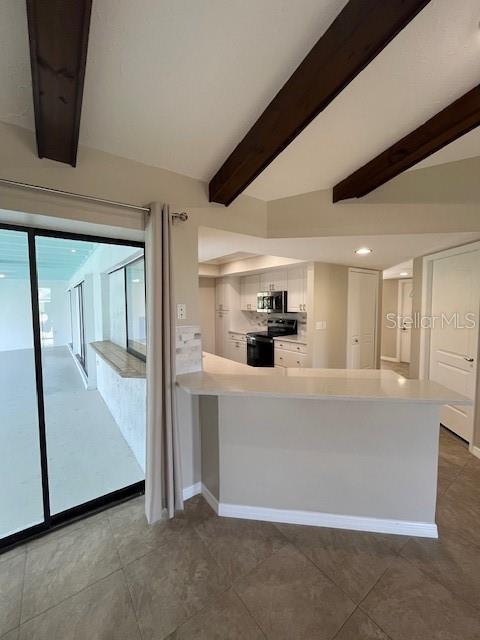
418, 321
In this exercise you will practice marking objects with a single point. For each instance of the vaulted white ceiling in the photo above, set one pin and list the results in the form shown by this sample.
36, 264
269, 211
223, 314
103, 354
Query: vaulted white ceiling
177, 83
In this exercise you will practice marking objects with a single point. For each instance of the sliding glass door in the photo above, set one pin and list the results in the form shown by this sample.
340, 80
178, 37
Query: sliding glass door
72, 425
21, 487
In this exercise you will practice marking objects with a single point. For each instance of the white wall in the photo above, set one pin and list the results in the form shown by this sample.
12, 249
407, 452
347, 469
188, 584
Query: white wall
327, 291
207, 313
126, 400
16, 330
58, 310
15, 315
389, 305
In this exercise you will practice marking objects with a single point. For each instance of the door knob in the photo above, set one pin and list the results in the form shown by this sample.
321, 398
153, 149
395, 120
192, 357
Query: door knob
468, 359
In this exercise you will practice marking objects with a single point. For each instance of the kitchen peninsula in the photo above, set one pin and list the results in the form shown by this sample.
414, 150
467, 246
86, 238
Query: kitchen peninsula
354, 449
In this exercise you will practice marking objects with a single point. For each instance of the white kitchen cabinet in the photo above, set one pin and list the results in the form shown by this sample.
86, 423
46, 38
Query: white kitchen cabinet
275, 280
222, 299
297, 289
287, 358
236, 350
221, 331
250, 286
227, 294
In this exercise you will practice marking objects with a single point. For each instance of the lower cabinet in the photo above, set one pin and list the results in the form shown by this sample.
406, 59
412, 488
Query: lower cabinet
290, 358
237, 351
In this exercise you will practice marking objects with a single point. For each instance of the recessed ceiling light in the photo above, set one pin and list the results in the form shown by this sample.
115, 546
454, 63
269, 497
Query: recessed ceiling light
404, 273
2, 275
73, 250
363, 251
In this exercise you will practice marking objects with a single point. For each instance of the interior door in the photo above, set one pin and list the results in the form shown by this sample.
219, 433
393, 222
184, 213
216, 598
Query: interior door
406, 314
454, 335
362, 319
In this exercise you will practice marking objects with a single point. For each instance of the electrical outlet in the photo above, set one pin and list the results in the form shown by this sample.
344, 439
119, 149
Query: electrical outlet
181, 311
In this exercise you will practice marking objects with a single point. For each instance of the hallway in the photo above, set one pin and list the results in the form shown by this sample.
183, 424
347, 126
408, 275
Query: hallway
402, 368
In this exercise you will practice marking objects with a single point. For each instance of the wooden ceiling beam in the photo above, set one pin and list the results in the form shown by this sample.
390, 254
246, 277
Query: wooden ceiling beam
451, 123
58, 33
358, 34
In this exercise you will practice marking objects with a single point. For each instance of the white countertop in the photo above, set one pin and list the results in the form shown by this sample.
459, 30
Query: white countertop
222, 377
297, 339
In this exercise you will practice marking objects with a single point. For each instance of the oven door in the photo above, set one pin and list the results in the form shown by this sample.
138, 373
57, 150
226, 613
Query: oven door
260, 352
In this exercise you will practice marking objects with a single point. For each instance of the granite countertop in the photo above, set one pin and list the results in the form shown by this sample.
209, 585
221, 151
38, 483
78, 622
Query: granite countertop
122, 362
222, 377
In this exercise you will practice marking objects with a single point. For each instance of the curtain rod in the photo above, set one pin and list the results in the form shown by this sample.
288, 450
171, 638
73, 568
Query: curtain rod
79, 196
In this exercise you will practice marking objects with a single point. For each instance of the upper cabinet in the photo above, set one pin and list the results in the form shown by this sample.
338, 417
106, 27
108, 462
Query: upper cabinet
275, 280
250, 286
297, 289
227, 294
292, 280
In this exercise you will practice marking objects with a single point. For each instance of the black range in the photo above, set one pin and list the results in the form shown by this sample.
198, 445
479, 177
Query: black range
260, 347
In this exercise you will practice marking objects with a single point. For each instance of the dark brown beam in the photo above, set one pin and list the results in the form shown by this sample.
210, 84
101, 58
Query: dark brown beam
58, 33
454, 121
353, 40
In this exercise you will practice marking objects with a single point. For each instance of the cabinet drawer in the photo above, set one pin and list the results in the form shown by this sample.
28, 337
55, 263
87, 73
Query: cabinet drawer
239, 337
296, 347
285, 358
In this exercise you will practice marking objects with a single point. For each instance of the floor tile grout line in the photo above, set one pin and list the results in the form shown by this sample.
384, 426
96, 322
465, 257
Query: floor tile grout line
396, 553
435, 579
130, 597
253, 568
23, 587
23, 622
250, 613
210, 600
369, 592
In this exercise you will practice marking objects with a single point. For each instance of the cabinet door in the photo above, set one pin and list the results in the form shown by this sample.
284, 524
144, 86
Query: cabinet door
296, 288
275, 280
239, 352
279, 280
219, 294
250, 286
222, 325
285, 358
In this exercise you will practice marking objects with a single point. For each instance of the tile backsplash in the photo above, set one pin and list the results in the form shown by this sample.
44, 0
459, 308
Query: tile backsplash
188, 349
253, 321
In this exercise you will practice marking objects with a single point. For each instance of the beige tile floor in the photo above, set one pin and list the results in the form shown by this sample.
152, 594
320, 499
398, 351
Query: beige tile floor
111, 577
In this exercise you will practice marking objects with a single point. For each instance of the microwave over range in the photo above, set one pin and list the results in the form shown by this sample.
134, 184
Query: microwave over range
272, 302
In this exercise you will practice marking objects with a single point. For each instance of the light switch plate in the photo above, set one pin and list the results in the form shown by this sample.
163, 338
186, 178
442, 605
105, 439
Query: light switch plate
321, 325
181, 311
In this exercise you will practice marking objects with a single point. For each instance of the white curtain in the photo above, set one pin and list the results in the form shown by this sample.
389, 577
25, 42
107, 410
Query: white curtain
163, 486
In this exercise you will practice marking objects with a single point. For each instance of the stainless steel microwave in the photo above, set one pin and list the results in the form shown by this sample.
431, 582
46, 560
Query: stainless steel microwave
272, 302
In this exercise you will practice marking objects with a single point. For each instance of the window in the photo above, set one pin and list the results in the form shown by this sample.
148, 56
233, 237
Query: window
126, 307
135, 308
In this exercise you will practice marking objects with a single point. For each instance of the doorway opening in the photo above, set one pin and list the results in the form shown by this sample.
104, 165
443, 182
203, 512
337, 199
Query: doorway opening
72, 391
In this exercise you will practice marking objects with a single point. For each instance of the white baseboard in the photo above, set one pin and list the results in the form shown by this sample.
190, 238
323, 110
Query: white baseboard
388, 359
192, 490
317, 519
314, 518
475, 451
210, 498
